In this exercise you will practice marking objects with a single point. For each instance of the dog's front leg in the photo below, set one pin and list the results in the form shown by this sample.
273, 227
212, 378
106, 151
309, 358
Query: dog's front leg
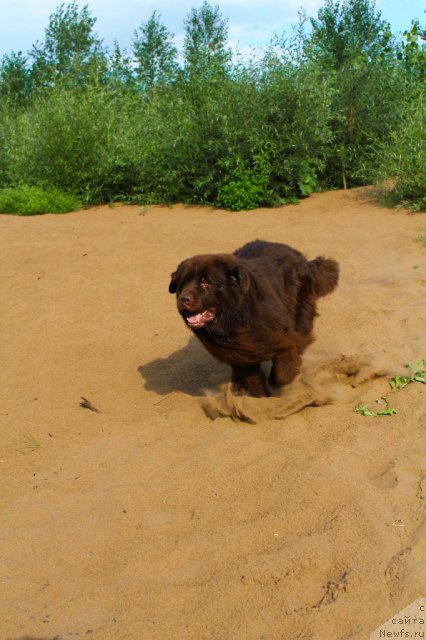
250, 378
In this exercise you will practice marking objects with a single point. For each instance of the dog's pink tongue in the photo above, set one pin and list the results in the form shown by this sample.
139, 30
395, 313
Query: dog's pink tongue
200, 319
192, 320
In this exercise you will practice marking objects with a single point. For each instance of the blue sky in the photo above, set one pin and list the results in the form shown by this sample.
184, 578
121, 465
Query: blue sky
251, 22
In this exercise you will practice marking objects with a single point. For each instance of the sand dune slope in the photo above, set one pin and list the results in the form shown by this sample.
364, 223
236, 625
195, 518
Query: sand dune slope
176, 511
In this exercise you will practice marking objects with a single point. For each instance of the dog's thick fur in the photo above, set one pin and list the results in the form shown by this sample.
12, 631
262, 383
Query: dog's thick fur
254, 305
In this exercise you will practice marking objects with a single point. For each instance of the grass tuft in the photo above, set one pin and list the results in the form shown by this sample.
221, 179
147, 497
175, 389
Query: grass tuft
30, 442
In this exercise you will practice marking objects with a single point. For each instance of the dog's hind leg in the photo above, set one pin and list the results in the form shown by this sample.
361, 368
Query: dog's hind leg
285, 366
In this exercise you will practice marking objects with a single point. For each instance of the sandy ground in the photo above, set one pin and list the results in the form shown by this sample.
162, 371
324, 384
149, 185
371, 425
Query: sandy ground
282, 518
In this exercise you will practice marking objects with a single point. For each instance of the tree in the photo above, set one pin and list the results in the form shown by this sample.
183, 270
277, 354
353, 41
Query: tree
155, 53
348, 30
15, 84
354, 47
413, 52
71, 50
205, 44
120, 67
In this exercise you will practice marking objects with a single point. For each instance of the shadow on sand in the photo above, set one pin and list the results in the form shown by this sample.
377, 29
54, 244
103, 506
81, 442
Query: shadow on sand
190, 370
34, 638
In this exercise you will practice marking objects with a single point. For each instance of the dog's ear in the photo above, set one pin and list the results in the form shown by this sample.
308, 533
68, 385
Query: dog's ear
241, 277
173, 283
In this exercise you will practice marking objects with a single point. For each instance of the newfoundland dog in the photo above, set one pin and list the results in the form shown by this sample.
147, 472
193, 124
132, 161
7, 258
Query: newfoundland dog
254, 305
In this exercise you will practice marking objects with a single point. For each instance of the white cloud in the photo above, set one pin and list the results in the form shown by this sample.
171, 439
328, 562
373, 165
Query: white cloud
290, 7
251, 22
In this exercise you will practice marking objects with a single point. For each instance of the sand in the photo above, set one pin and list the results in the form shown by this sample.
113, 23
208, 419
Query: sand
176, 511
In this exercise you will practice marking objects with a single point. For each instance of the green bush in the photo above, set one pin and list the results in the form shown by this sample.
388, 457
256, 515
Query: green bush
70, 139
337, 104
183, 140
295, 126
402, 159
259, 136
240, 194
26, 200
246, 187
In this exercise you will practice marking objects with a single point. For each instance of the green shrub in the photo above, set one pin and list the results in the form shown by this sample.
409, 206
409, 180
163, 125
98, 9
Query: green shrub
71, 139
294, 126
335, 105
26, 200
402, 159
240, 194
245, 189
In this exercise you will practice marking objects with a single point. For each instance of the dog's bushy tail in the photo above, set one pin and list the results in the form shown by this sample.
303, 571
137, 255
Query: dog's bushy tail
324, 275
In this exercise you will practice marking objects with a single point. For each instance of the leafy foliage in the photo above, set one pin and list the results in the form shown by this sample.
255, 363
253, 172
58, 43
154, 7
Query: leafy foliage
70, 52
402, 158
338, 105
15, 82
25, 201
246, 187
353, 45
205, 45
69, 139
155, 53
348, 31
417, 373
413, 51
364, 410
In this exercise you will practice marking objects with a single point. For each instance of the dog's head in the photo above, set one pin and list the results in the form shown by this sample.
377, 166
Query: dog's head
207, 286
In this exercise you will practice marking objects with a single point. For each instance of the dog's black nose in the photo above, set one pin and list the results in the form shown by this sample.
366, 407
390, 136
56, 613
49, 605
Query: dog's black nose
186, 299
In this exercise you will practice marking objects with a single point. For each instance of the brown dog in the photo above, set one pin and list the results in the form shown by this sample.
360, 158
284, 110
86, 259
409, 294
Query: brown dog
254, 305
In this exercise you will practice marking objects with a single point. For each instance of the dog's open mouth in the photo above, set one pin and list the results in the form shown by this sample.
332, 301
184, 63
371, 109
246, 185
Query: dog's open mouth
199, 320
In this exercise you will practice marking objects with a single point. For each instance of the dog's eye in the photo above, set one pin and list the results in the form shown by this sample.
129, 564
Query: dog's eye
204, 284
